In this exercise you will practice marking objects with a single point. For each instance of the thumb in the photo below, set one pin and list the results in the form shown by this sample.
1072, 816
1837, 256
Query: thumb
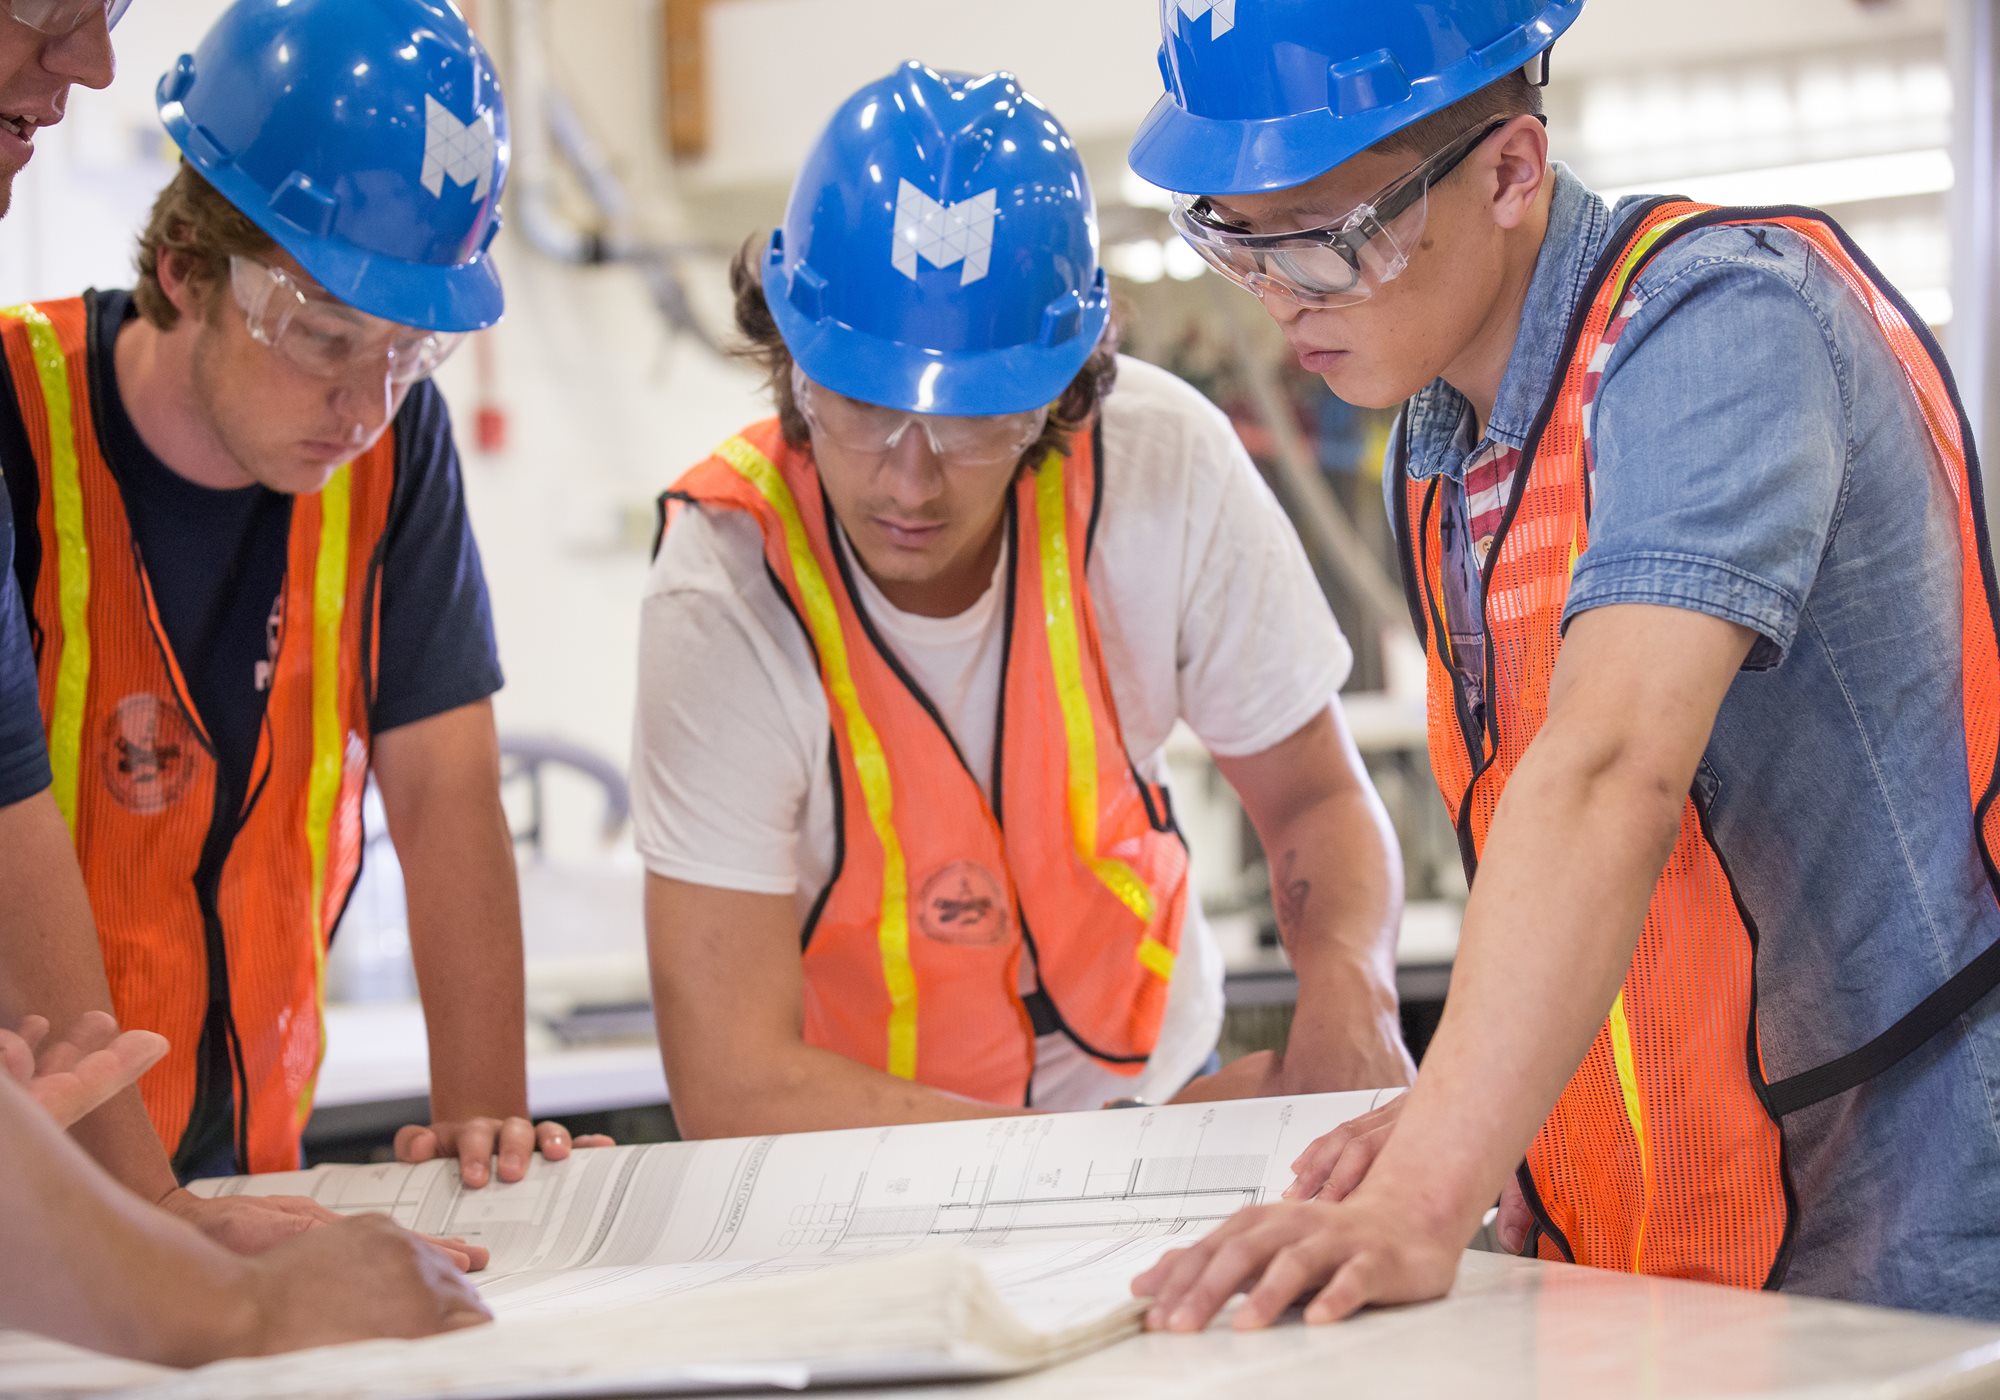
1515, 1219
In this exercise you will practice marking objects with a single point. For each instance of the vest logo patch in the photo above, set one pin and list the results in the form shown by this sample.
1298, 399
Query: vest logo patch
1221, 15
942, 234
148, 754
462, 152
963, 903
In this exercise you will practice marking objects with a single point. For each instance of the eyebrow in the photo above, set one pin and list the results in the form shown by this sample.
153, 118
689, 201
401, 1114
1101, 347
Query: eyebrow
1290, 216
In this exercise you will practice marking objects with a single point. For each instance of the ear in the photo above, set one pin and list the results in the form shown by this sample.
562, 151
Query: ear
1520, 157
175, 271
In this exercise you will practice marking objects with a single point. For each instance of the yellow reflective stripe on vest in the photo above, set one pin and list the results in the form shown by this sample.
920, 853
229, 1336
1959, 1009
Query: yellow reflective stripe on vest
871, 764
1079, 728
329, 741
1635, 1113
72, 559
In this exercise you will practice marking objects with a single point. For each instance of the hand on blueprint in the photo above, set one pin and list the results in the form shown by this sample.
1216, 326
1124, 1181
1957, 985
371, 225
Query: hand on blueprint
71, 1074
1335, 1257
477, 1141
355, 1279
1254, 1076
255, 1224
1334, 1165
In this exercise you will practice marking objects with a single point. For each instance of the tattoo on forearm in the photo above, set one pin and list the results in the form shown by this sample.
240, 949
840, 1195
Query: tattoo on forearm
1289, 894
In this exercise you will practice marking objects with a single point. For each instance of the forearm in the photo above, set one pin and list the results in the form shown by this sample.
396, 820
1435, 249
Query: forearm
465, 940
800, 1088
89, 1264
1337, 892
51, 965
1568, 870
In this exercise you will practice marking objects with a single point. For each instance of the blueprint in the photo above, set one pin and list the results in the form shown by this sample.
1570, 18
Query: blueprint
921, 1252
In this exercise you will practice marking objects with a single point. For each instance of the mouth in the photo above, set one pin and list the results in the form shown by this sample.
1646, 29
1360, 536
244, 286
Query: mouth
20, 126
908, 534
1317, 361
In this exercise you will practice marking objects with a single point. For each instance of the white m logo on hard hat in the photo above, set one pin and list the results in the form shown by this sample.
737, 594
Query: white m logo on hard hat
462, 152
1221, 14
942, 234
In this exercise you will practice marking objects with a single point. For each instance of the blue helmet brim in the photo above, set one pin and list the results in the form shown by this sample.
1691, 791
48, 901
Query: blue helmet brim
1189, 154
1010, 379
465, 297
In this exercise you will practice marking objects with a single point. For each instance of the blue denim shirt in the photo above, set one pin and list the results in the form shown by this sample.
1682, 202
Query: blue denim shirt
1754, 441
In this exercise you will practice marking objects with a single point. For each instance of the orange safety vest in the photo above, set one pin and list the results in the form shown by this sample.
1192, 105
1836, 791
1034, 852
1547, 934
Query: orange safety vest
1665, 1153
913, 951
199, 907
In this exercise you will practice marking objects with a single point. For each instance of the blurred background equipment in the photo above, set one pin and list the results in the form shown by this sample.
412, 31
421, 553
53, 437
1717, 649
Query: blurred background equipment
651, 137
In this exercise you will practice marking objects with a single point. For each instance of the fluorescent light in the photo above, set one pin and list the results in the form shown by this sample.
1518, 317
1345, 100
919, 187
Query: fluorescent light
1820, 184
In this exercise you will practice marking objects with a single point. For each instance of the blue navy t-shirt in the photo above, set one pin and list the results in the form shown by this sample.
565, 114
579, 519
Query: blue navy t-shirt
216, 560
24, 757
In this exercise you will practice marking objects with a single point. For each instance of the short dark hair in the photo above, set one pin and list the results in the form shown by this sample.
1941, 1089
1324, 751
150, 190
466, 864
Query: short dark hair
1511, 96
192, 218
763, 346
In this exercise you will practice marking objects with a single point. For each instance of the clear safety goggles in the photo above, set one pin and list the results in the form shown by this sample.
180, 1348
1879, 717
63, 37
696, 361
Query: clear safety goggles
1336, 264
59, 17
869, 430
325, 338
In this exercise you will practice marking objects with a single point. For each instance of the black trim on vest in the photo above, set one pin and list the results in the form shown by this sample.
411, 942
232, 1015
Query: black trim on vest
1399, 496
882, 649
1062, 1024
1008, 604
1096, 487
1531, 1194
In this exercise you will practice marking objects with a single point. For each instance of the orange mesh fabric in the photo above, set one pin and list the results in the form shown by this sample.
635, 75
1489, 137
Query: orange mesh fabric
145, 796
913, 954
1660, 1156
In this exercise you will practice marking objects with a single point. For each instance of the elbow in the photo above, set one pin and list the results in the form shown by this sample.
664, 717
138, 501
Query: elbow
1618, 781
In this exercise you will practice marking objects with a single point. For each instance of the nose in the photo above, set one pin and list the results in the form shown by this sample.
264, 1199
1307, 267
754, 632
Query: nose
365, 400
1277, 302
83, 55
910, 470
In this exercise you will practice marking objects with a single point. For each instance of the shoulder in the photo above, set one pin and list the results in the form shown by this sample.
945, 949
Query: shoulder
1167, 443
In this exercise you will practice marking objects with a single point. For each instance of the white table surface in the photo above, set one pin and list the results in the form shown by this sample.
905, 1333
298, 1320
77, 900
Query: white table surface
1513, 1328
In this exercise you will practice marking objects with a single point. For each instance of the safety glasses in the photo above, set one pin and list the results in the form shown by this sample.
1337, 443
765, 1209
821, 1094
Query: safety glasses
869, 430
1337, 264
325, 338
59, 17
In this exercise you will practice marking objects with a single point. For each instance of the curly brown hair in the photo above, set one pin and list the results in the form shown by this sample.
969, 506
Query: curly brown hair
193, 220
763, 346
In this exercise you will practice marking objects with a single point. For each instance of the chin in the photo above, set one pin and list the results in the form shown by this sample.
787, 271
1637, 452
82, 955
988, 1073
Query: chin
1369, 390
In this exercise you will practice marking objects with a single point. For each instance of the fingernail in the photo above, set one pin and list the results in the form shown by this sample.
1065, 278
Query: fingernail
1182, 1320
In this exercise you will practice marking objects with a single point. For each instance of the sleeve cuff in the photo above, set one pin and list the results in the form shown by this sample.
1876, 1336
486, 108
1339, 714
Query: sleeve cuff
1696, 584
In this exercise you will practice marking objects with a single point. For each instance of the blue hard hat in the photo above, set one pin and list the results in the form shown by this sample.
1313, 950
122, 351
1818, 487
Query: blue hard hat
367, 137
939, 254
1268, 94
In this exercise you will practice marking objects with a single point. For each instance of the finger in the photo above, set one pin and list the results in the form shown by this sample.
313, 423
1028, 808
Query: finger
1234, 1263
1311, 1169
475, 1151
1352, 1166
552, 1141
102, 1074
17, 1057
416, 1143
463, 1316
517, 1145
471, 1258
1351, 1289
34, 1030
595, 1140
1514, 1221
1293, 1271
1167, 1281
92, 1031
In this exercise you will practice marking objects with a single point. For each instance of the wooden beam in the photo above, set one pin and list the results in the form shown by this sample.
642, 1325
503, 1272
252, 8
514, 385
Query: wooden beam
685, 66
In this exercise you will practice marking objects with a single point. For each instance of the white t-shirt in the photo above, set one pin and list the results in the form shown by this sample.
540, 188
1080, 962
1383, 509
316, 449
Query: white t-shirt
1207, 611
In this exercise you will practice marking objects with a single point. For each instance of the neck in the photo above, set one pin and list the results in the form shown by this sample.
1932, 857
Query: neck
1481, 366
156, 385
